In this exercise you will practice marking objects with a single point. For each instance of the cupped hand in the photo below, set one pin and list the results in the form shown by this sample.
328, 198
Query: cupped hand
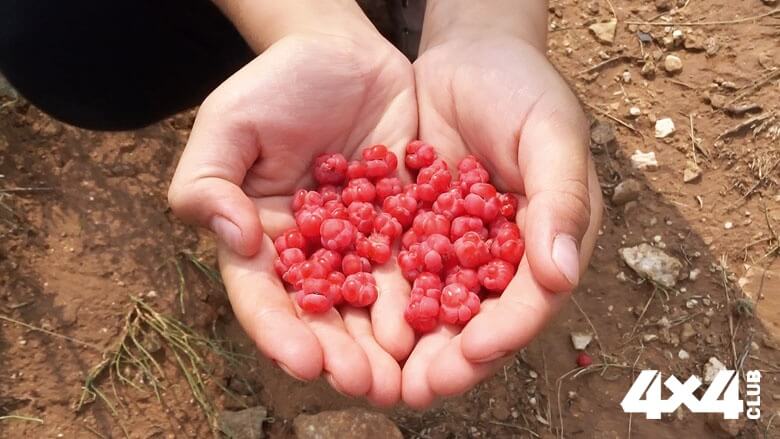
501, 100
252, 145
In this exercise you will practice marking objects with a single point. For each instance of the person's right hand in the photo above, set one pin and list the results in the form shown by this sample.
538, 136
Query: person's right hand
252, 145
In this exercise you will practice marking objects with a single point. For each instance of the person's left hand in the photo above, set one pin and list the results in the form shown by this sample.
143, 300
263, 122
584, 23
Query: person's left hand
500, 99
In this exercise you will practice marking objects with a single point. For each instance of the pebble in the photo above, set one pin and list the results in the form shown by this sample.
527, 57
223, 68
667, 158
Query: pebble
683, 355
664, 127
649, 337
652, 263
728, 225
581, 340
673, 64
604, 32
627, 190
644, 160
711, 46
351, 423
694, 274
711, 369
634, 112
692, 172
243, 424
626, 76
602, 133
648, 69
687, 332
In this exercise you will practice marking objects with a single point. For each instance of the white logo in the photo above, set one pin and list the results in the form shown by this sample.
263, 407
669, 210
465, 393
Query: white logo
722, 396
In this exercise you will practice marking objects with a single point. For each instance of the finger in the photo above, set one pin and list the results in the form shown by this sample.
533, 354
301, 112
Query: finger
346, 365
387, 314
264, 310
205, 189
525, 306
416, 391
451, 374
276, 213
385, 371
553, 160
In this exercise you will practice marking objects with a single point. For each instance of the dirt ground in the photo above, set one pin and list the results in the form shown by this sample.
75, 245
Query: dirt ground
96, 231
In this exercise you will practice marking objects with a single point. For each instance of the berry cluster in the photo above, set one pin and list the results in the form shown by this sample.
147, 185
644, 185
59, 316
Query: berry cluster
458, 238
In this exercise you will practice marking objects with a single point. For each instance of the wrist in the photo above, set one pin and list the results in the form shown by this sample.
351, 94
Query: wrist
264, 22
468, 20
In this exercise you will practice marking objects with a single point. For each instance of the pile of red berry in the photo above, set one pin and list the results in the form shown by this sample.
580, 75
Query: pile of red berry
459, 241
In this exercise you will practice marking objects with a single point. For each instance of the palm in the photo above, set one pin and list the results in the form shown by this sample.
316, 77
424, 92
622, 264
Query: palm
299, 99
495, 100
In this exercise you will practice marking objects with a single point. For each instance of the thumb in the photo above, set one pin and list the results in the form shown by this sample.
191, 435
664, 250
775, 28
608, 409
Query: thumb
206, 191
554, 163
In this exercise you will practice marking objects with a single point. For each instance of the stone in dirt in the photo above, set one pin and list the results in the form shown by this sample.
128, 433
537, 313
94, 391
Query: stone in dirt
691, 172
352, 423
673, 64
604, 32
602, 133
711, 369
581, 340
627, 190
243, 424
664, 127
644, 161
711, 46
758, 281
652, 263
687, 332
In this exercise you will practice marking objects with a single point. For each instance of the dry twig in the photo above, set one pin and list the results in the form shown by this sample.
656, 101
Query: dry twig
706, 23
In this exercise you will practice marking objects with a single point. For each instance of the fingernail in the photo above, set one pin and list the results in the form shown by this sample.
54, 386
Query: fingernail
288, 371
491, 357
227, 231
566, 257
333, 383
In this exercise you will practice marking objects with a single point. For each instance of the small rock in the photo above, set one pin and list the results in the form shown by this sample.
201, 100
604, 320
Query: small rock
581, 340
644, 160
634, 112
683, 355
649, 337
711, 46
728, 225
687, 332
769, 2
627, 190
664, 127
648, 69
694, 274
693, 43
673, 64
626, 77
652, 263
711, 369
243, 424
717, 100
602, 133
663, 5
678, 36
604, 32
739, 110
691, 172
500, 411
351, 423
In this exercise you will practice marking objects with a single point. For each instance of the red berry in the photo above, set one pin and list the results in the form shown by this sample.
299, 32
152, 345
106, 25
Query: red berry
458, 304
511, 250
359, 289
450, 204
422, 313
471, 172
330, 168
471, 250
313, 303
362, 215
584, 360
508, 206
310, 220
433, 180
356, 169
401, 207
385, 224
428, 223
465, 276
419, 155
409, 262
336, 280
353, 263
323, 287
330, 193
359, 189
306, 199
482, 202
291, 238
496, 275
409, 238
436, 253
329, 258
375, 247
305, 270
386, 187
379, 161
335, 209
337, 234
463, 224
502, 230
427, 281
469, 163
287, 258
